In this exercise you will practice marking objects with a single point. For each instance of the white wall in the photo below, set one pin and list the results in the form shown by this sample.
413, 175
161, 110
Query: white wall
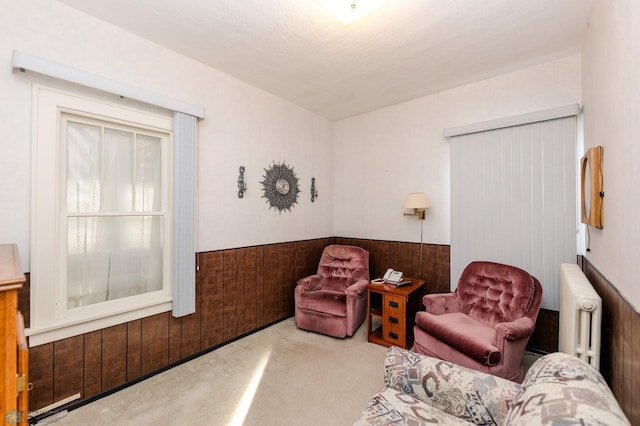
244, 126
383, 155
611, 93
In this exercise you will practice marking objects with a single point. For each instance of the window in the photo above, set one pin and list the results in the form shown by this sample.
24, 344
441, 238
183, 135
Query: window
102, 216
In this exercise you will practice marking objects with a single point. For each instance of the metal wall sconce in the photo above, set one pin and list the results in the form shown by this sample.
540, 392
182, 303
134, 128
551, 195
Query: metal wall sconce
314, 191
418, 202
242, 186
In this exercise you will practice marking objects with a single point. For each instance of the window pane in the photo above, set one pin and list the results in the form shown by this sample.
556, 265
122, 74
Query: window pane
110, 258
118, 171
83, 167
148, 184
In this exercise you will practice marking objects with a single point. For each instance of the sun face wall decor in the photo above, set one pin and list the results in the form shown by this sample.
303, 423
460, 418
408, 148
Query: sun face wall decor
280, 186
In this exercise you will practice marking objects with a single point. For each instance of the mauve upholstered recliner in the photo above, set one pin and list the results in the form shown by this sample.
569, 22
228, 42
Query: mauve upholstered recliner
334, 301
485, 323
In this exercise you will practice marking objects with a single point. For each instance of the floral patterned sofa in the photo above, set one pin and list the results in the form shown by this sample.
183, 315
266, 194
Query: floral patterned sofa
558, 389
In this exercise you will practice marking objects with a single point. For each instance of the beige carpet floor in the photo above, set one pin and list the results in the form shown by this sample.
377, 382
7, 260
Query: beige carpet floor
278, 376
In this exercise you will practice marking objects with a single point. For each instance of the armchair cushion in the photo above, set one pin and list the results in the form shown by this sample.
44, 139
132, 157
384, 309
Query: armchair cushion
518, 329
441, 303
312, 282
472, 337
329, 302
494, 293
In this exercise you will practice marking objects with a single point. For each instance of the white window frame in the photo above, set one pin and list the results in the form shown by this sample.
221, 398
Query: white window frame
50, 320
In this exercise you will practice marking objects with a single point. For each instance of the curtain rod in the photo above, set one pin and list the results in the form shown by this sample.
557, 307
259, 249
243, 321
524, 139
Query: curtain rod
25, 61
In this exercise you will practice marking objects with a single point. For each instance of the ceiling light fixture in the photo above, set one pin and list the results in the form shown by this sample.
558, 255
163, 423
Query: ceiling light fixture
348, 11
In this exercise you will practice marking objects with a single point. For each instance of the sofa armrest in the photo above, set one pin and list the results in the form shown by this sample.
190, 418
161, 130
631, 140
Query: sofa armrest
358, 288
441, 303
456, 390
514, 330
312, 282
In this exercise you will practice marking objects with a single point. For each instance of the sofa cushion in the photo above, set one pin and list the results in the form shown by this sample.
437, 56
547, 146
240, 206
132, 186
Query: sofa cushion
464, 333
562, 389
391, 406
327, 302
461, 392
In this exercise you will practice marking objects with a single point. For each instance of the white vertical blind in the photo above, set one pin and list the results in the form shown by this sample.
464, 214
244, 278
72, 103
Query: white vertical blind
513, 200
184, 196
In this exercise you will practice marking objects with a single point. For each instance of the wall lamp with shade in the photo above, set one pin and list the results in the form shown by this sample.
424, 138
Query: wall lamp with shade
418, 202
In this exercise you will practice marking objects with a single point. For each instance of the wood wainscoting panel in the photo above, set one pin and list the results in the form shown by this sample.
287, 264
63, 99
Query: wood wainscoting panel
174, 339
41, 376
68, 367
271, 281
545, 336
134, 349
250, 273
240, 293
92, 364
114, 356
229, 295
154, 351
620, 346
212, 301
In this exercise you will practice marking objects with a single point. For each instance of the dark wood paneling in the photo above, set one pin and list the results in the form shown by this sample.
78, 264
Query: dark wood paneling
288, 282
154, 353
211, 267
240, 293
634, 367
260, 293
620, 346
270, 283
626, 398
41, 375
250, 289
24, 298
68, 368
443, 268
114, 356
92, 364
229, 308
175, 330
545, 336
134, 349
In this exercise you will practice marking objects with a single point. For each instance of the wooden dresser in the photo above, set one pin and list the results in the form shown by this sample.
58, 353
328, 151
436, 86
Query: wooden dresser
14, 357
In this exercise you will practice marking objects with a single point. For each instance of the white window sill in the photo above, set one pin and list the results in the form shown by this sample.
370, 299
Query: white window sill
42, 335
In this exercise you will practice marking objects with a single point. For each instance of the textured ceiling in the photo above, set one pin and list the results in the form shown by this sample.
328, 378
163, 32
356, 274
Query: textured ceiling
407, 49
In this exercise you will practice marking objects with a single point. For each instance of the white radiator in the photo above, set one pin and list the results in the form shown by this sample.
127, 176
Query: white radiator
580, 315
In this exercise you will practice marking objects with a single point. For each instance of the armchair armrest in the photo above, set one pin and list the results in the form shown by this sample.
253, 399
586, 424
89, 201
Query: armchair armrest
448, 387
358, 288
514, 330
312, 282
441, 303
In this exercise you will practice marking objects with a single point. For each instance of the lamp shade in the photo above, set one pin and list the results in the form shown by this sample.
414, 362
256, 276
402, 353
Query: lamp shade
416, 200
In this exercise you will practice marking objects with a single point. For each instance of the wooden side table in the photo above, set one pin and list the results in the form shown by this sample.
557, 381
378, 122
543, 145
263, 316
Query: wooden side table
391, 312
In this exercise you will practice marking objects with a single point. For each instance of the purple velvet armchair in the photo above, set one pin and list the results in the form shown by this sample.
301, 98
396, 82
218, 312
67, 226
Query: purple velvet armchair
485, 323
334, 301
